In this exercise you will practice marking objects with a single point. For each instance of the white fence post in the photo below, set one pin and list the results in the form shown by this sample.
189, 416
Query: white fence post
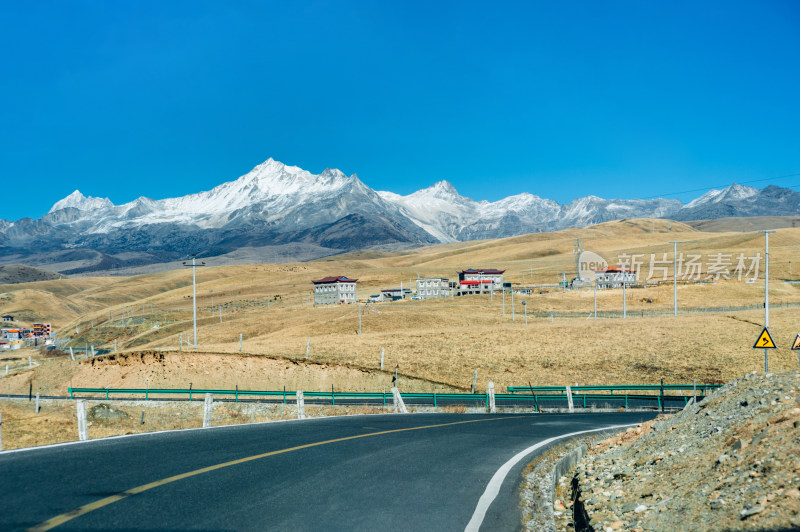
398, 402
6, 375
569, 399
37, 402
308, 349
301, 405
240, 342
71, 354
30, 362
83, 428
490, 391
382, 351
474, 381
207, 406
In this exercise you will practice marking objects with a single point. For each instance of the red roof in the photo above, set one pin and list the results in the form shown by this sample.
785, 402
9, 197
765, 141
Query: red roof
470, 283
340, 279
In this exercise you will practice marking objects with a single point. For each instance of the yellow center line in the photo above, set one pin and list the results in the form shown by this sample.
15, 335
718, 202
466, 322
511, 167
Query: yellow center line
85, 509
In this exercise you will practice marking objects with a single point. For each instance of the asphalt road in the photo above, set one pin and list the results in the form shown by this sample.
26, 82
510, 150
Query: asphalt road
380, 472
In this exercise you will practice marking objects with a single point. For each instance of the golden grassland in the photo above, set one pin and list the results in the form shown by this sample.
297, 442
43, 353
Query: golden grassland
437, 344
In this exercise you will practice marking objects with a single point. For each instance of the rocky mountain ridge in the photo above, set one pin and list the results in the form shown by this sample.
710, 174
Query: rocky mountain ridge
277, 205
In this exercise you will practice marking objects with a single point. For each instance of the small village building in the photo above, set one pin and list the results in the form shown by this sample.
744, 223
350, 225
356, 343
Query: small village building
8, 317
42, 329
480, 281
11, 334
334, 290
614, 277
433, 287
393, 294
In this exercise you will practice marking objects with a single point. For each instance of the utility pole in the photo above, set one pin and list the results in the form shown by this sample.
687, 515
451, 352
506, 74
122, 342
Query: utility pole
624, 299
675, 273
194, 266
577, 251
766, 291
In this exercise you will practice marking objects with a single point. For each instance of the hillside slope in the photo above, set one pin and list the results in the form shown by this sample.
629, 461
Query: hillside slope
727, 463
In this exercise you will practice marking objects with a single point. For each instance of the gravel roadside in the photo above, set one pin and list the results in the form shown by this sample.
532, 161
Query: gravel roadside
730, 462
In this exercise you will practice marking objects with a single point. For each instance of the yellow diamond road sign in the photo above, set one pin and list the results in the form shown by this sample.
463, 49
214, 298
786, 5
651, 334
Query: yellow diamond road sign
796, 344
764, 341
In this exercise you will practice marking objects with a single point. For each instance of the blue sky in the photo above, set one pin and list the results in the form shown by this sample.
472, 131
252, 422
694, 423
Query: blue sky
559, 99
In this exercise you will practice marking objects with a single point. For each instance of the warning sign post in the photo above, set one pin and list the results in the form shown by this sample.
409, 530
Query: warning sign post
764, 340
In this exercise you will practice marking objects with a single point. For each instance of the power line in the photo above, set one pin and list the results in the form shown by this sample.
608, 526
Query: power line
706, 189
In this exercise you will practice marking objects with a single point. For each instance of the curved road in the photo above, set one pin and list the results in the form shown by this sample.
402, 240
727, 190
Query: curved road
378, 472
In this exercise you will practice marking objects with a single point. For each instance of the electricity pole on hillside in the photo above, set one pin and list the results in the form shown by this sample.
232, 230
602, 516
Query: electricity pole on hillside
675, 273
194, 294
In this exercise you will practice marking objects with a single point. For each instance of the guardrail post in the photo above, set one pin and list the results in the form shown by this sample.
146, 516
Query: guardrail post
661, 395
398, 402
569, 399
694, 391
434, 399
626, 401
83, 429
301, 406
207, 406
333, 397
490, 397
284, 394
236, 394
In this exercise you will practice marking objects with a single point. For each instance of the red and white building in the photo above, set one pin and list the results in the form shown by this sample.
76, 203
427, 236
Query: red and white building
480, 281
334, 290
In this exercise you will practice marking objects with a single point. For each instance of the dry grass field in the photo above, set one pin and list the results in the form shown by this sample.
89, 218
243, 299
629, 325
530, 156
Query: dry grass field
438, 344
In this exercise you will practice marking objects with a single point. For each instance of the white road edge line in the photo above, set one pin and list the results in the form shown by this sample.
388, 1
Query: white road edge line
493, 488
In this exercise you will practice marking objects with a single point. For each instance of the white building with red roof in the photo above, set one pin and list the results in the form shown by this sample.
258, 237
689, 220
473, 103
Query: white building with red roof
334, 290
480, 281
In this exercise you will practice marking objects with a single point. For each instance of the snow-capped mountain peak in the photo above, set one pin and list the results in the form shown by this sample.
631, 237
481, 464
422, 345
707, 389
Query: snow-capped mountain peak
734, 192
78, 201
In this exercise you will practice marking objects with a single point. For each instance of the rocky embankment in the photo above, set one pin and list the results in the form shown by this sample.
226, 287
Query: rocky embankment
730, 462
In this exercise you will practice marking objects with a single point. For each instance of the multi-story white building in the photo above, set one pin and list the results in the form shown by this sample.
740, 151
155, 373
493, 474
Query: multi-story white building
480, 281
334, 290
614, 277
433, 287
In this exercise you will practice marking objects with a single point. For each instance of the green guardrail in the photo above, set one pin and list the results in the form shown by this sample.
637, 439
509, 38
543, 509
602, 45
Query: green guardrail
532, 395
612, 388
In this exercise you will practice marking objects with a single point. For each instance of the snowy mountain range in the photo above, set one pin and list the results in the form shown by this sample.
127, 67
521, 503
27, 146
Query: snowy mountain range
298, 215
